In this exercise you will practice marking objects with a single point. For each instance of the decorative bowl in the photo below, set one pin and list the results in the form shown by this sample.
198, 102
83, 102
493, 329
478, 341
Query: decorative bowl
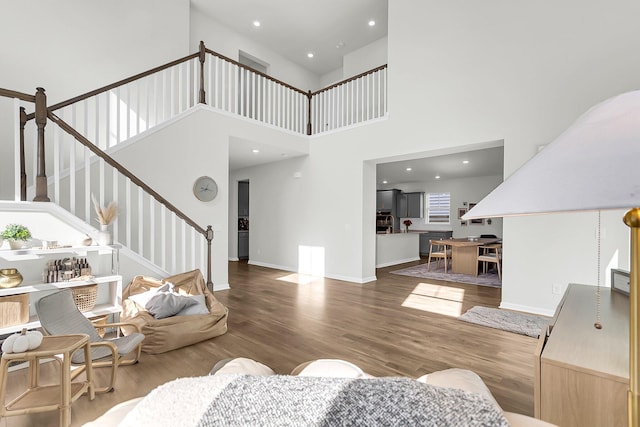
10, 278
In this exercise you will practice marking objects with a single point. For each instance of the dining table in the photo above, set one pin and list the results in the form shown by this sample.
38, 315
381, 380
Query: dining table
464, 253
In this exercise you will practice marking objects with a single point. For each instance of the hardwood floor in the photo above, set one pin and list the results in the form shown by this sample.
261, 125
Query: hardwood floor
397, 325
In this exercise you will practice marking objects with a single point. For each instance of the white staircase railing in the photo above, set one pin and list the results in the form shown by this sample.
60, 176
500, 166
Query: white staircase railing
147, 224
82, 128
118, 112
234, 88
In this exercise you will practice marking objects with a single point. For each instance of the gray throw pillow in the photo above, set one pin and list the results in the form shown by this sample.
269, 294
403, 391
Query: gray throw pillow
199, 308
164, 305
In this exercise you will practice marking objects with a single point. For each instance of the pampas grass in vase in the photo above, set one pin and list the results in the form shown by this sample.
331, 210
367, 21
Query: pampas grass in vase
106, 215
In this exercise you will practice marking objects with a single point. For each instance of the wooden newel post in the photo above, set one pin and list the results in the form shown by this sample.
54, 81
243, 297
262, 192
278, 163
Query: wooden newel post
202, 59
23, 167
309, 98
209, 239
41, 122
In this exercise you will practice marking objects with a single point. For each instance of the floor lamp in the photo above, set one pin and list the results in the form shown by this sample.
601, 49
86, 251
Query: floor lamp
594, 165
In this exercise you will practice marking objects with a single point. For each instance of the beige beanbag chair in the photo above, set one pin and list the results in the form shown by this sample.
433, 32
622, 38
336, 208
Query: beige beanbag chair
170, 333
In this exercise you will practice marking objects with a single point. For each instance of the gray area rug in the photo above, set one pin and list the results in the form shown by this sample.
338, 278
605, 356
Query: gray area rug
520, 323
490, 279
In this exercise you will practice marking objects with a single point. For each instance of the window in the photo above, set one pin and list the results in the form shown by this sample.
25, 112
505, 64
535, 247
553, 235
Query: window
438, 208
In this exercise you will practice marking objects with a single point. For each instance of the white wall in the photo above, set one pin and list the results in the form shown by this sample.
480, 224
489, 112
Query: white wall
70, 47
223, 40
277, 212
467, 190
460, 73
203, 151
366, 58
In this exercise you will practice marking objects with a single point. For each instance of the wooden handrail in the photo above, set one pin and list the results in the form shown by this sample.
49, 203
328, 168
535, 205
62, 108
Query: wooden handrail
373, 70
109, 160
121, 82
226, 58
15, 94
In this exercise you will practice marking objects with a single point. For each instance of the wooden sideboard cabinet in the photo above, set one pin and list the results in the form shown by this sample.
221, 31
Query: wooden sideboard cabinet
582, 373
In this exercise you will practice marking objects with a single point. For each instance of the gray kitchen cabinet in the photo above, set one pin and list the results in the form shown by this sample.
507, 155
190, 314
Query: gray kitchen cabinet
243, 199
402, 205
432, 235
415, 205
410, 205
386, 200
243, 244
387, 204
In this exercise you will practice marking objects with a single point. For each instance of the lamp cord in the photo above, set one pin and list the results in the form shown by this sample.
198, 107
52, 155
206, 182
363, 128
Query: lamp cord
598, 324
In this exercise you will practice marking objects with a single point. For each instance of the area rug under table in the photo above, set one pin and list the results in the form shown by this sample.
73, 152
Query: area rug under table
520, 323
489, 279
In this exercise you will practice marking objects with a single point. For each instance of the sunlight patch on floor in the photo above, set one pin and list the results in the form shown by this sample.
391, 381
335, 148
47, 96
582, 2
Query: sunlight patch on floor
436, 299
300, 279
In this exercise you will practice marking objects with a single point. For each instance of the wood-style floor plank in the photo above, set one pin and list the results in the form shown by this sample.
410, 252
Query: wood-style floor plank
396, 325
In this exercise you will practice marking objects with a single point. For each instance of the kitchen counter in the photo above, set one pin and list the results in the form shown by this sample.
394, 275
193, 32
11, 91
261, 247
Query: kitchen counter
397, 248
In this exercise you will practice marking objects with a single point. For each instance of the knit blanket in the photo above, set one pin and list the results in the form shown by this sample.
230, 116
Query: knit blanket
281, 400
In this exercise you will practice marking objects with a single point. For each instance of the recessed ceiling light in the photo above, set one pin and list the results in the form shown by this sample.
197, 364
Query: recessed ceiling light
385, 182
340, 45
437, 176
372, 23
465, 162
409, 169
255, 150
256, 23
284, 154
310, 55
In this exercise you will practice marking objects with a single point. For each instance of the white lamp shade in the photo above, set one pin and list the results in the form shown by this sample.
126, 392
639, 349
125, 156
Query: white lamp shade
595, 164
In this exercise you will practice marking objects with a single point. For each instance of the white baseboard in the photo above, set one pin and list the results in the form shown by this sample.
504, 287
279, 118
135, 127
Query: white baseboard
527, 309
352, 279
234, 259
274, 266
329, 276
221, 287
396, 262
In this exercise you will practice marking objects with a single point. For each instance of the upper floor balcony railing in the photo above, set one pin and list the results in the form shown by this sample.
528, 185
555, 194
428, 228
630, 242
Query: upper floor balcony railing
122, 110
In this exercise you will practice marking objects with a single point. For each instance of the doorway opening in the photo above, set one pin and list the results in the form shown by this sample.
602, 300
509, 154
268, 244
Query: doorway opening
243, 219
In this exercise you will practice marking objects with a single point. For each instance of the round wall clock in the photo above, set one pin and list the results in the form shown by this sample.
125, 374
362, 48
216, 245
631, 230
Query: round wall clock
205, 189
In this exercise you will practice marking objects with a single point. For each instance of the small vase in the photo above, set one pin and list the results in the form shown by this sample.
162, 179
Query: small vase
16, 244
406, 228
104, 235
10, 278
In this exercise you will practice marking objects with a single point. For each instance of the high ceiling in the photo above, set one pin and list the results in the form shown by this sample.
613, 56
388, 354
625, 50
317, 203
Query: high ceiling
293, 28
486, 162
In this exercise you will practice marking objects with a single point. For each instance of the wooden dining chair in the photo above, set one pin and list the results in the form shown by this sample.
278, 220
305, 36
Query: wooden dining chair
439, 250
490, 254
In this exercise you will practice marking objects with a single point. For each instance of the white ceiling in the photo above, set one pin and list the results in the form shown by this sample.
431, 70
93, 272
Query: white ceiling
486, 162
293, 28
242, 155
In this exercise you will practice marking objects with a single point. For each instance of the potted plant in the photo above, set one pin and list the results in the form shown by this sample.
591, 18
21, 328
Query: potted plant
407, 223
16, 234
